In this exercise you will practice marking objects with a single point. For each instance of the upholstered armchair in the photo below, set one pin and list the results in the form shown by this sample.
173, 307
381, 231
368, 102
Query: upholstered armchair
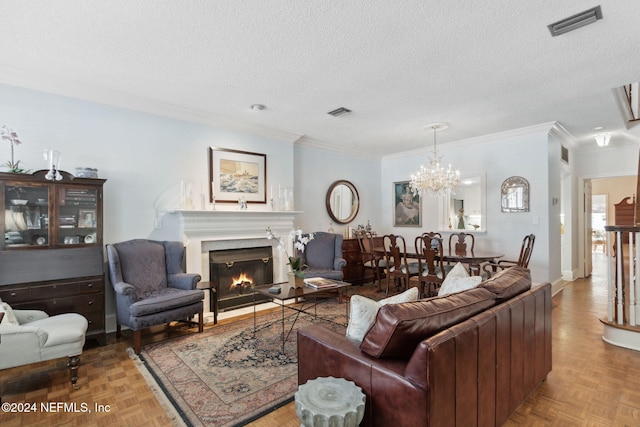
151, 286
31, 336
323, 256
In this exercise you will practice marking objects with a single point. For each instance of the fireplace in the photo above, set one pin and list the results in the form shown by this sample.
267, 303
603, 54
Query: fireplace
236, 271
214, 230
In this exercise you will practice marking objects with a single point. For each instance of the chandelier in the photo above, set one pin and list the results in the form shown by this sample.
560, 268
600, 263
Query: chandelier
434, 179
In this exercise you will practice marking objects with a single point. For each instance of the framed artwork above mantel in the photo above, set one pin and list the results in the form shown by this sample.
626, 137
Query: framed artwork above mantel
235, 175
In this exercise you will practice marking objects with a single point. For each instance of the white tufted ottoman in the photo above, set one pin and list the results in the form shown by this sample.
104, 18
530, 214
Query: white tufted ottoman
329, 401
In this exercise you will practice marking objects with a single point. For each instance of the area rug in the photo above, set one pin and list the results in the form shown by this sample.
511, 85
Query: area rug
229, 375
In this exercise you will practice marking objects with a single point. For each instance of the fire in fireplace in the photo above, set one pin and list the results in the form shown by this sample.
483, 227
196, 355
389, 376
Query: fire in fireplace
236, 271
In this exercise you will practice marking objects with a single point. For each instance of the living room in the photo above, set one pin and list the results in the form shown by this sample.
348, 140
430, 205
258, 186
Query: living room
144, 148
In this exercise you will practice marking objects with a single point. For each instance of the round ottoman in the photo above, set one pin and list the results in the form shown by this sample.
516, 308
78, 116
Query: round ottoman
329, 401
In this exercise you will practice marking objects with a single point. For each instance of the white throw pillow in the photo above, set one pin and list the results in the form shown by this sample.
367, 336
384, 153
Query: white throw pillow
363, 311
9, 317
458, 280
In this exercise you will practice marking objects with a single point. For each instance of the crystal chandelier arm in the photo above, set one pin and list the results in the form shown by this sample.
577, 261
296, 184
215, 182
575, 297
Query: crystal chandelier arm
434, 178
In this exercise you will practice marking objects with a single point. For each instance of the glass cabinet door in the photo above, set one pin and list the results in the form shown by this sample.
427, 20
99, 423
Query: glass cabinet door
26, 215
77, 216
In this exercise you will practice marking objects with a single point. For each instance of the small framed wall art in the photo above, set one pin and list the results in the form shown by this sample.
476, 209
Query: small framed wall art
407, 210
236, 175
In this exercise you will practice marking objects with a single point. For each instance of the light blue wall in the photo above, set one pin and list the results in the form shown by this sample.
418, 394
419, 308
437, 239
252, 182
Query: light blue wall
317, 169
143, 157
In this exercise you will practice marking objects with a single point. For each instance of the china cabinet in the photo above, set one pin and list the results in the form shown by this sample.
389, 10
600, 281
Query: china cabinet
51, 258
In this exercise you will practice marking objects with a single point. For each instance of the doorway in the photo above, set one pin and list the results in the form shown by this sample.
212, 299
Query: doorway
598, 221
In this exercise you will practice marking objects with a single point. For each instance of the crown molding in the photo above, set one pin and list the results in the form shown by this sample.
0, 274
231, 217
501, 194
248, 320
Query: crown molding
549, 128
310, 142
91, 93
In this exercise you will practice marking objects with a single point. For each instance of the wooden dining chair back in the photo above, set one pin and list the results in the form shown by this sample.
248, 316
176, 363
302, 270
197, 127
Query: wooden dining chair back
365, 241
523, 259
399, 268
525, 250
430, 265
461, 242
365, 247
433, 234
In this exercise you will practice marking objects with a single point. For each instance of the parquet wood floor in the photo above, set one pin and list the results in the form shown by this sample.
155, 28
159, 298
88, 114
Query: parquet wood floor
592, 383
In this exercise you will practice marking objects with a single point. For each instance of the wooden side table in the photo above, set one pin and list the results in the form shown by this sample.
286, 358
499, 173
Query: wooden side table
213, 298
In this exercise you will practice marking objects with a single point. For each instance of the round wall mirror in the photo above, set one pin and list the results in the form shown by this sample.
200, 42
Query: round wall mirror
343, 202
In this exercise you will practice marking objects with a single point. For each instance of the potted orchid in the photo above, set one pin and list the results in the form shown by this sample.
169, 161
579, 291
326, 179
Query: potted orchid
10, 135
299, 241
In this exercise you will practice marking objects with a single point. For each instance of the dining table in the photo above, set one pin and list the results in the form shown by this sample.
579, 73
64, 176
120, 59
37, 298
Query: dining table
472, 258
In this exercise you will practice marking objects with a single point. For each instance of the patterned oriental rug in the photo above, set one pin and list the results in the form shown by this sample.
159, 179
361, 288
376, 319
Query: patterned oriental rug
229, 376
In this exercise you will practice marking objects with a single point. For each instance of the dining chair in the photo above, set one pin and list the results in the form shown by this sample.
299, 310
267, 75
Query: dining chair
370, 259
433, 234
430, 265
399, 268
523, 259
462, 242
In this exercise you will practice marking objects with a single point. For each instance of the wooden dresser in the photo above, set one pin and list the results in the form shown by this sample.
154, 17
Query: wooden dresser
355, 272
51, 258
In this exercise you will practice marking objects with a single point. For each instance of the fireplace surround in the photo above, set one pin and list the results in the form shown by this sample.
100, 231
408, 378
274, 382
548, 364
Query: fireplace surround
213, 230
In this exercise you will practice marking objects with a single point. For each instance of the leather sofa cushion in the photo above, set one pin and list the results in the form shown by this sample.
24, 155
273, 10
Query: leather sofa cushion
399, 328
508, 283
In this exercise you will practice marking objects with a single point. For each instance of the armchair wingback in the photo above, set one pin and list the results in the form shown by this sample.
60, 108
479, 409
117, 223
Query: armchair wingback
151, 286
323, 256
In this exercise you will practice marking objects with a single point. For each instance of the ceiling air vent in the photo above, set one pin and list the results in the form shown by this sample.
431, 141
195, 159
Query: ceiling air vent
576, 21
339, 112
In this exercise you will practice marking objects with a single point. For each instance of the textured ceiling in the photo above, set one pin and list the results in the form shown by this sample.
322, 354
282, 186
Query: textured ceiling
484, 66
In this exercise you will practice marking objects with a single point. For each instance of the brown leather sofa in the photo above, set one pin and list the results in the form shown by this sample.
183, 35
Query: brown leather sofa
463, 359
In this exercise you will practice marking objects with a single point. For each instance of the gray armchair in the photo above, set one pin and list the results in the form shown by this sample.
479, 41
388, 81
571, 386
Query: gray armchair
151, 286
31, 336
323, 256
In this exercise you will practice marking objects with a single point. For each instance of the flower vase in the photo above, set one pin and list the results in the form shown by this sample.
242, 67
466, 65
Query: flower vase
295, 281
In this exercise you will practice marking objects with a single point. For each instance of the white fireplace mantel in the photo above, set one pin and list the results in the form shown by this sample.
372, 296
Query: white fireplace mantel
204, 231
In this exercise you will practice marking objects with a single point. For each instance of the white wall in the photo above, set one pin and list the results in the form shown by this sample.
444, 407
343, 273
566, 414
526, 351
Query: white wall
619, 160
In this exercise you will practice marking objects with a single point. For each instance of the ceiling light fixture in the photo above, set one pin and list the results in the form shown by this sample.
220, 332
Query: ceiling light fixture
434, 179
258, 107
602, 139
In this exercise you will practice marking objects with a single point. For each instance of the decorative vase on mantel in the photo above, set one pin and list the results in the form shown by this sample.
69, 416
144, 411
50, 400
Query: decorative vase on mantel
295, 281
